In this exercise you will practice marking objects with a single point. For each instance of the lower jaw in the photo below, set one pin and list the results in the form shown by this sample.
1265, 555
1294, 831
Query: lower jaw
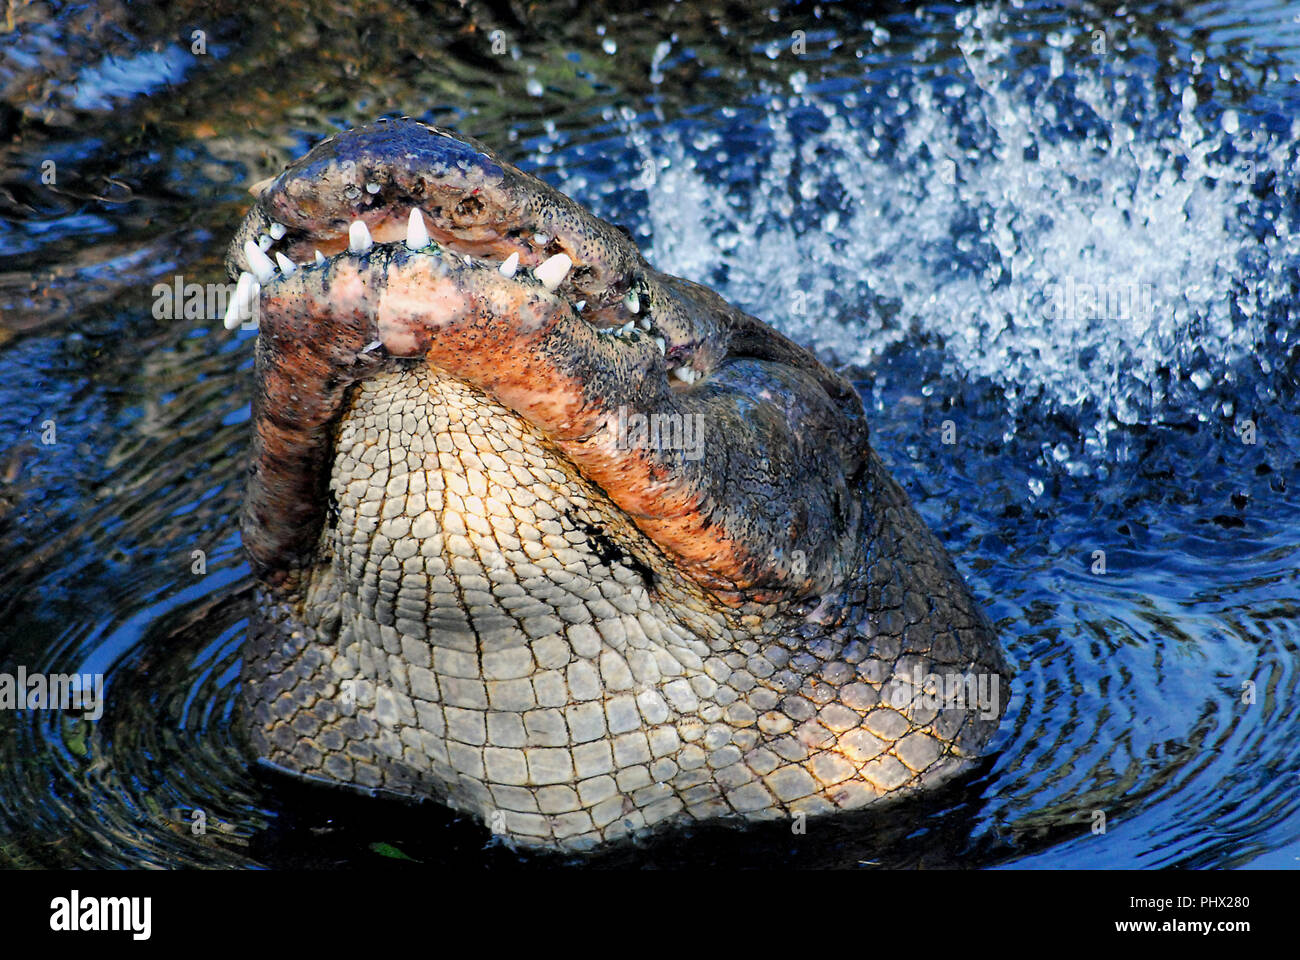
457, 524
550, 693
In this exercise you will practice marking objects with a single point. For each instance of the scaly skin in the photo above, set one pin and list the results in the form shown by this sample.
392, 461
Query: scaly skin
474, 586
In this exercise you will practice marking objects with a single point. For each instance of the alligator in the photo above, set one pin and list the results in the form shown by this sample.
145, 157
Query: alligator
561, 541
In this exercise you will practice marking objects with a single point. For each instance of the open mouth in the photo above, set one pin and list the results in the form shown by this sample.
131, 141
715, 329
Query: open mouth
402, 186
400, 242
275, 256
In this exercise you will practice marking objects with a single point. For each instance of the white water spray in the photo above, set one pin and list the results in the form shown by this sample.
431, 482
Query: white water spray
1109, 258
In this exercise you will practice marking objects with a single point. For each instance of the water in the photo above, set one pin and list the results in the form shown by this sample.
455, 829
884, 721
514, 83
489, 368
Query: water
1065, 241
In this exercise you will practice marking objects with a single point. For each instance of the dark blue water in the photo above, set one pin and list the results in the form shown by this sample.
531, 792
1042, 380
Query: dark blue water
1068, 244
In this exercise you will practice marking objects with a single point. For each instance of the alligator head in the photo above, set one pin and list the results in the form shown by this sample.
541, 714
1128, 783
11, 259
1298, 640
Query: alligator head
561, 539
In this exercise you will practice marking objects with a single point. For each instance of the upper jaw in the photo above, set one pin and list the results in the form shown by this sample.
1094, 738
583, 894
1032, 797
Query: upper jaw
471, 200
475, 205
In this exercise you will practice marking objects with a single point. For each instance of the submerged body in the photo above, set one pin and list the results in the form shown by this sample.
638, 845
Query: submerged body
562, 541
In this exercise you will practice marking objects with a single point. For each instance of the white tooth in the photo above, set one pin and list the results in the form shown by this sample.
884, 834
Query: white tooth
320, 258
663, 347
645, 323
626, 329
417, 237
510, 265
235, 313
277, 230
259, 262
580, 305
264, 242
359, 237
632, 302
371, 346
541, 239
240, 311
232, 314
286, 265
685, 373
552, 273
372, 188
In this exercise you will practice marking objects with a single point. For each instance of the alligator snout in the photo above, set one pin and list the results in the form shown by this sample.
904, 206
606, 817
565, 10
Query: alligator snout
560, 539
375, 175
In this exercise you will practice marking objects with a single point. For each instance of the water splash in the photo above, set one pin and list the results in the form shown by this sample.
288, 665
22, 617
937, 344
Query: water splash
1083, 236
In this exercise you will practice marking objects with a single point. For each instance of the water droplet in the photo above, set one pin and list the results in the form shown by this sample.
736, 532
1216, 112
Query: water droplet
1075, 265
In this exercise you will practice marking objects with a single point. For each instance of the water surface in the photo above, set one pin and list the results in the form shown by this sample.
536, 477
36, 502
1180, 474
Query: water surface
1065, 240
